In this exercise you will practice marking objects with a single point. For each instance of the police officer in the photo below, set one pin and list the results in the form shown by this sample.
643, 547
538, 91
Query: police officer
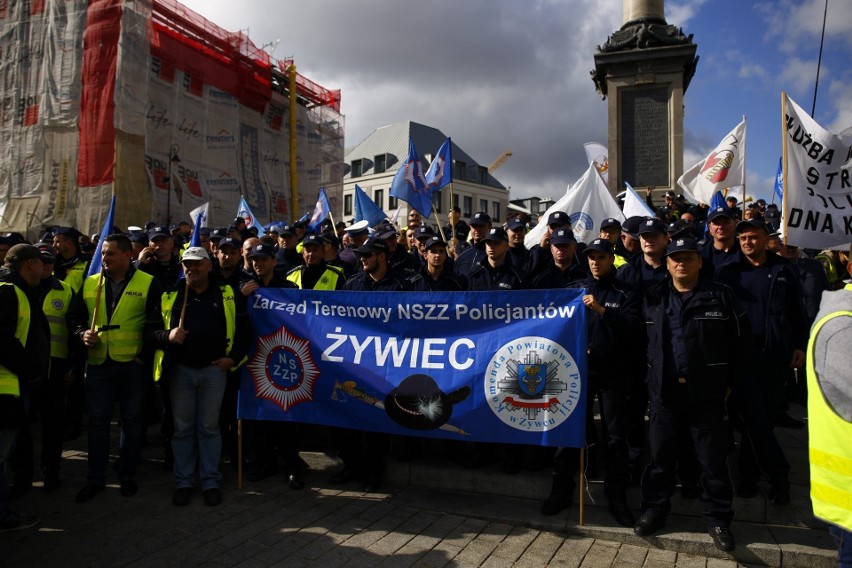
436, 274
769, 289
315, 273
358, 234
399, 260
480, 225
23, 359
563, 266
159, 258
830, 416
697, 349
614, 312
363, 452
723, 247
610, 230
71, 263
115, 316
540, 253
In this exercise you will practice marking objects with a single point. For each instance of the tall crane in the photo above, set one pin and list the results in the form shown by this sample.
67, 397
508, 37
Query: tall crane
500, 161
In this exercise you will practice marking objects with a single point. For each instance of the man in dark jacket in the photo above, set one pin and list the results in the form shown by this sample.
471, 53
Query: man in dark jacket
564, 266
436, 275
697, 349
614, 319
480, 225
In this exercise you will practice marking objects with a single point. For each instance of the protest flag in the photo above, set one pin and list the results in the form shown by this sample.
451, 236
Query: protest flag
440, 172
199, 221
366, 208
598, 154
321, 210
97, 258
409, 183
723, 167
244, 211
633, 205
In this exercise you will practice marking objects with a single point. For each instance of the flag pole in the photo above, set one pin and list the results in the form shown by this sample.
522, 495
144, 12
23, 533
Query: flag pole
744, 170
784, 165
98, 299
438, 219
453, 240
183, 308
582, 482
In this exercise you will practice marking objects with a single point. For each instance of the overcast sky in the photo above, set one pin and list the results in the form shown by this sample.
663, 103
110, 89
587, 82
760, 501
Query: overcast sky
498, 74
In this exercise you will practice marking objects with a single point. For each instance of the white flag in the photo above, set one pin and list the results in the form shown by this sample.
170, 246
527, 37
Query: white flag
633, 205
587, 202
819, 184
598, 154
724, 167
199, 215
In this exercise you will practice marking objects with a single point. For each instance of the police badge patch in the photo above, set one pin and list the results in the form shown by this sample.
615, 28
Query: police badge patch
532, 384
283, 369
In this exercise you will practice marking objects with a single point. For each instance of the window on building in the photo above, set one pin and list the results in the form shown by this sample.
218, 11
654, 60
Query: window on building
379, 163
436, 201
460, 169
483, 175
357, 168
379, 197
483, 205
393, 203
455, 200
495, 211
468, 205
347, 204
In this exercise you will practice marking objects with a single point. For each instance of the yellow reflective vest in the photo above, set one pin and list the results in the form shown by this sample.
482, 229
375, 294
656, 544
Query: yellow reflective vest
76, 275
830, 443
167, 303
328, 280
8, 380
56, 304
120, 338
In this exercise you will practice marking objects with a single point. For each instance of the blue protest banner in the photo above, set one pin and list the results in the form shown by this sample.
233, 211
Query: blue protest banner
481, 366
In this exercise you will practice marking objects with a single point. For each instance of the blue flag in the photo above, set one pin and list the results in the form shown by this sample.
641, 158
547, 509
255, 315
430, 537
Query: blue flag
440, 172
366, 208
779, 180
97, 258
503, 366
245, 212
198, 216
321, 211
718, 200
409, 183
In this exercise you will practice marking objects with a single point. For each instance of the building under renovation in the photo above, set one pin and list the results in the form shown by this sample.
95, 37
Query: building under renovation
150, 102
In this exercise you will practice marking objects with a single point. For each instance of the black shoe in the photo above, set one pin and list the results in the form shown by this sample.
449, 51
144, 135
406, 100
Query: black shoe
129, 488
690, 491
650, 522
51, 483
780, 494
722, 538
345, 475
622, 515
262, 473
88, 492
747, 490
787, 421
555, 504
182, 496
15, 522
212, 497
18, 490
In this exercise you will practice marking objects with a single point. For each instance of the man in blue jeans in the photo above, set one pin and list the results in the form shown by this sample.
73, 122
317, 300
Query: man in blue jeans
207, 333
115, 316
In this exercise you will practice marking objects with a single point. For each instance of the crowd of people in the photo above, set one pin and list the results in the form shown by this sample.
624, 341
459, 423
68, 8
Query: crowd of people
698, 319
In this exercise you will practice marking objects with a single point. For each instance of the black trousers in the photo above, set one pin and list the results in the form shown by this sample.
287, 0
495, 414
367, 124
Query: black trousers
361, 450
705, 423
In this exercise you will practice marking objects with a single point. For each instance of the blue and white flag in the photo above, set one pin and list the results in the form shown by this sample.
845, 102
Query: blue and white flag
440, 172
245, 212
97, 258
366, 208
409, 183
199, 221
779, 180
321, 211
505, 366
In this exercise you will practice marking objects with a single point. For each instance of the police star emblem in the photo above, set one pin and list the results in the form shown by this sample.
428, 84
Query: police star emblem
283, 369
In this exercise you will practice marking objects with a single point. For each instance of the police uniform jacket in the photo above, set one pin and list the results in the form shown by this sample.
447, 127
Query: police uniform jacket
362, 282
28, 362
552, 277
446, 282
403, 263
469, 258
716, 337
784, 328
714, 259
619, 326
504, 277
633, 270
166, 273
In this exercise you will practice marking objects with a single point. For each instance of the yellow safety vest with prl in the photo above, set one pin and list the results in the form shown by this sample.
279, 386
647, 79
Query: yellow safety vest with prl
328, 280
121, 341
56, 304
167, 303
8, 380
830, 447
76, 275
